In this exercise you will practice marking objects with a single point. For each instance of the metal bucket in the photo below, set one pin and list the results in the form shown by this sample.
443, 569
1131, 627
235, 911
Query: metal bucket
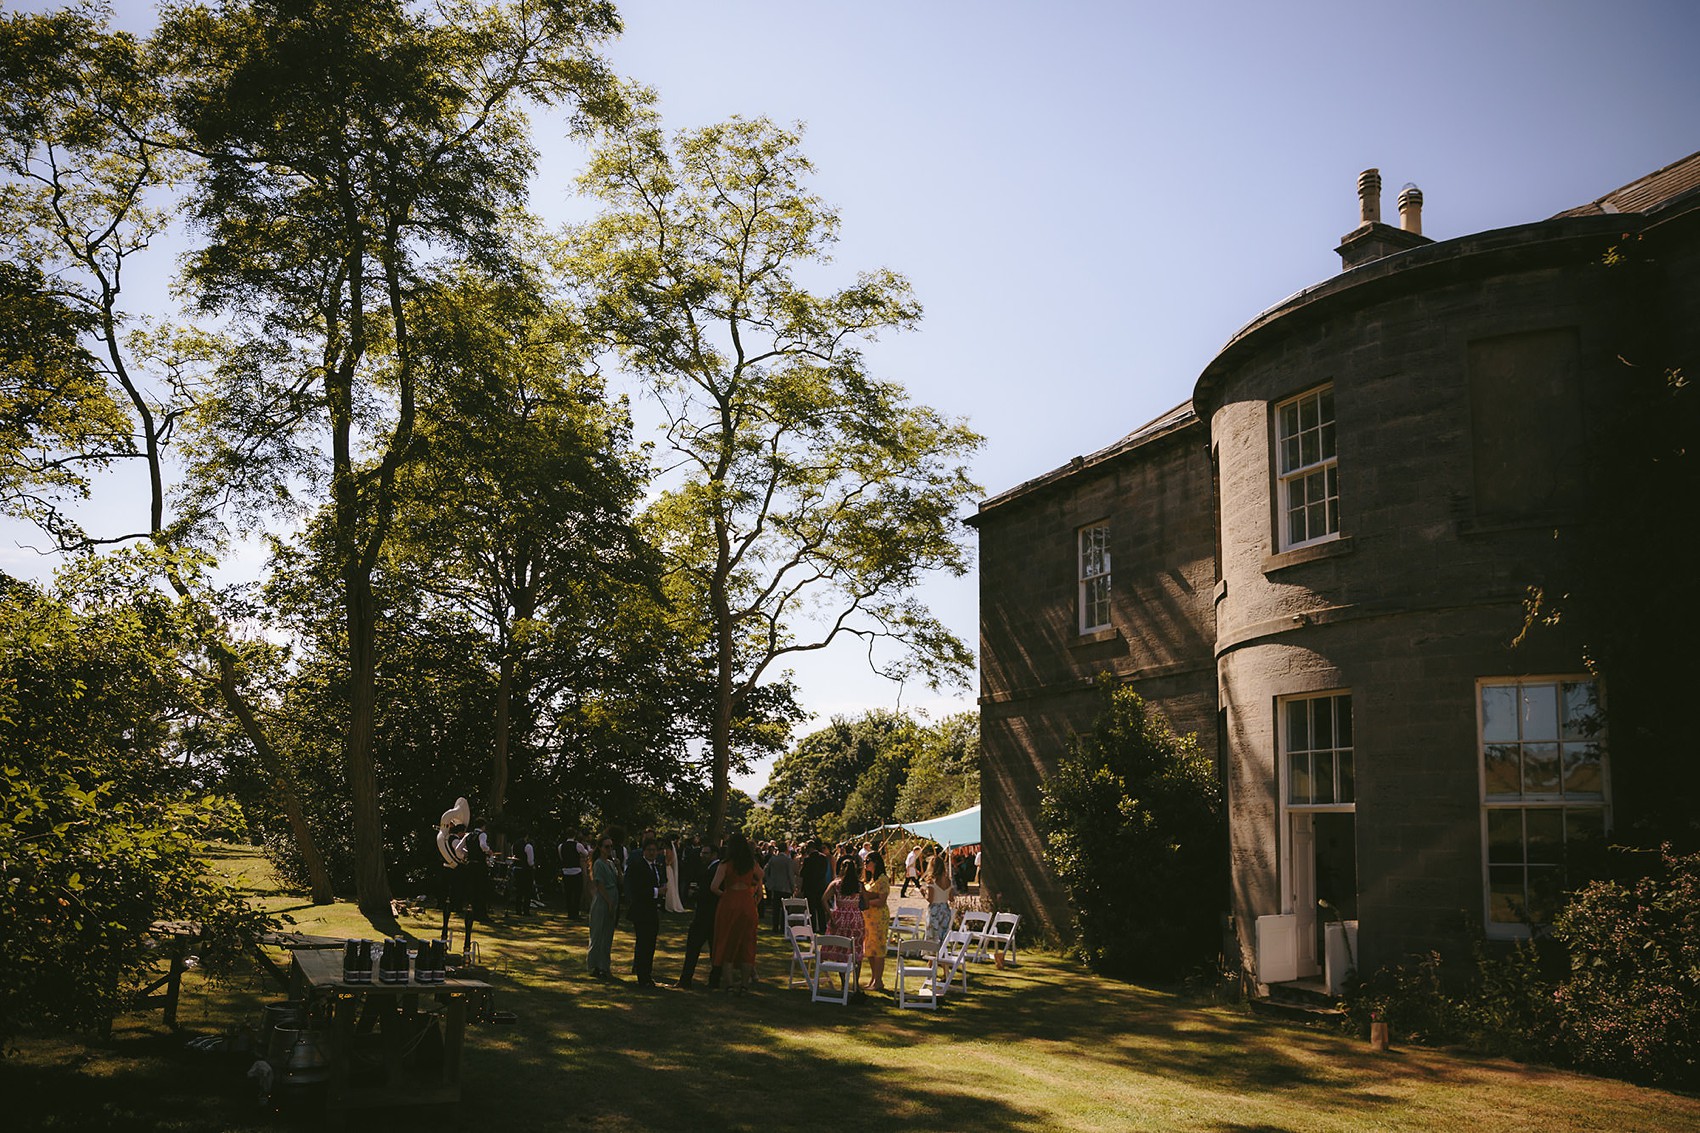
289, 1013
309, 1059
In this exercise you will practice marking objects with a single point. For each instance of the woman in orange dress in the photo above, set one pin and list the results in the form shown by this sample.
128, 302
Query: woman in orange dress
738, 884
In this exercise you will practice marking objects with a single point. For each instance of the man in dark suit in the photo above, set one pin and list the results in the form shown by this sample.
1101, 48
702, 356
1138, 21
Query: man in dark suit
816, 876
643, 890
701, 932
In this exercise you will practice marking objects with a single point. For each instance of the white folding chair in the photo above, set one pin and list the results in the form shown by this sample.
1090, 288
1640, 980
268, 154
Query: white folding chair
796, 912
918, 960
909, 922
833, 957
953, 959
803, 955
1000, 937
975, 925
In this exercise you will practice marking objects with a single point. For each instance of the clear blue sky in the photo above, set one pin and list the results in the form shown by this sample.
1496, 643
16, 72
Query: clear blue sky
1090, 198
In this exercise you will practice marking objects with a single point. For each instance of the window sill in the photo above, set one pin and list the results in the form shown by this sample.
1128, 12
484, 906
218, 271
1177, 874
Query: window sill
1308, 554
1109, 633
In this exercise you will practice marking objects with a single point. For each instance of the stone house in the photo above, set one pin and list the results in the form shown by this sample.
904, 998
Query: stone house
1319, 564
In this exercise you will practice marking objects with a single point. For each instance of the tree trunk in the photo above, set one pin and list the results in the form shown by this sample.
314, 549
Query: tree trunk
371, 878
496, 802
283, 782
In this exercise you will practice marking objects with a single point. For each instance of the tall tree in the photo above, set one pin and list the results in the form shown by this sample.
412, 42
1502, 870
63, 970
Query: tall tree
810, 497
349, 149
86, 158
521, 512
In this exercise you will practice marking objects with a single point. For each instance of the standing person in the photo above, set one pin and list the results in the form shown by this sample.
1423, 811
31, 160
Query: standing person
476, 845
816, 876
701, 932
738, 885
876, 915
780, 879
911, 870
939, 893
523, 877
671, 892
845, 897
573, 852
604, 905
644, 891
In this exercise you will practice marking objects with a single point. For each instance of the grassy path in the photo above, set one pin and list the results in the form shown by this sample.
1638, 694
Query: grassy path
1043, 1046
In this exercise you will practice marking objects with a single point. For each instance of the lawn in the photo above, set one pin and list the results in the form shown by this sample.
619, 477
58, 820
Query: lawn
1042, 1046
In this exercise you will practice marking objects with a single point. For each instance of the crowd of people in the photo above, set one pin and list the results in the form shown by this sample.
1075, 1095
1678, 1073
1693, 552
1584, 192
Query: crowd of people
729, 889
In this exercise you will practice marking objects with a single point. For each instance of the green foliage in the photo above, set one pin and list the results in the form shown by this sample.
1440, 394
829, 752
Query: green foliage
100, 827
812, 789
944, 775
1132, 818
810, 497
1615, 989
1630, 1003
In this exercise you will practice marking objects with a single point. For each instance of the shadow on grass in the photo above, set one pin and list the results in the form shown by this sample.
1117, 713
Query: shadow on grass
1041, 1046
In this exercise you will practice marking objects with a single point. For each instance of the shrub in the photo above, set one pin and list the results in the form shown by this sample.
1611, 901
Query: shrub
1133, 825
1630, 1002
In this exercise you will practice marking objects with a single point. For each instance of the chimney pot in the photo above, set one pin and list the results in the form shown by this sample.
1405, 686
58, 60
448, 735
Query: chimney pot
1369, 197
1411, 209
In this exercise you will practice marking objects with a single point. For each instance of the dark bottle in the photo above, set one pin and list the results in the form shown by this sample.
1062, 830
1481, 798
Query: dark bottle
350, 961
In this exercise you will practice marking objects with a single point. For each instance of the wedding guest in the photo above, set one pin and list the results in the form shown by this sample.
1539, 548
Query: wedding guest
876, 916
738, 885
844, 896
604, 904
701, 933
780, 880
645, 892
939, 892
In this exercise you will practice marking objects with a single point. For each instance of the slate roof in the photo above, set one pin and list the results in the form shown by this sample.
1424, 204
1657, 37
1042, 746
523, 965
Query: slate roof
1646, 193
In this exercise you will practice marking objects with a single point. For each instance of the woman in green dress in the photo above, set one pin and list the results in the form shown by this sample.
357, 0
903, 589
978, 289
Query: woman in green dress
604, 901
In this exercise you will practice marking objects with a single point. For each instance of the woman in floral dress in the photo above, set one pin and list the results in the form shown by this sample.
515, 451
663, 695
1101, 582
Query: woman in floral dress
939, 893
876, 918
844, 898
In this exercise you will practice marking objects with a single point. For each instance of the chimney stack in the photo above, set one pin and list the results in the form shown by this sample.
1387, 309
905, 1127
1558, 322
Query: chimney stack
1369, 197
1372, 240
1411, 209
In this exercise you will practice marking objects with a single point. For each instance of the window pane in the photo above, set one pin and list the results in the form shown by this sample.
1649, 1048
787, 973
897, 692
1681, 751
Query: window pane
1499, 713
1545, 830
1328, 440
1309, 450
1317, 519
1540, 769
1290, 420
1583, 827
1322, 722
1582, 775
1344, 714
1348, 787
1505, 836
1504, 775
1298, 778
1581, 711
1326, 400
1540, 712
1322, 779
1307, 413
1298, 727
1505, 894
1546, 883
1296, 525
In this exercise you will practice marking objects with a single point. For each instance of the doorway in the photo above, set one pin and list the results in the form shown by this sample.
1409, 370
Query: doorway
1324, 870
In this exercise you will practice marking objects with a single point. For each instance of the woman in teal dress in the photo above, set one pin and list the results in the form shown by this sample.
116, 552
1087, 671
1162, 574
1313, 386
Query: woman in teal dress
604, 900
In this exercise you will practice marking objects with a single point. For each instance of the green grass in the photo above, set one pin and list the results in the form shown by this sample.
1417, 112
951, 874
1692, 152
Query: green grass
1045, 1046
